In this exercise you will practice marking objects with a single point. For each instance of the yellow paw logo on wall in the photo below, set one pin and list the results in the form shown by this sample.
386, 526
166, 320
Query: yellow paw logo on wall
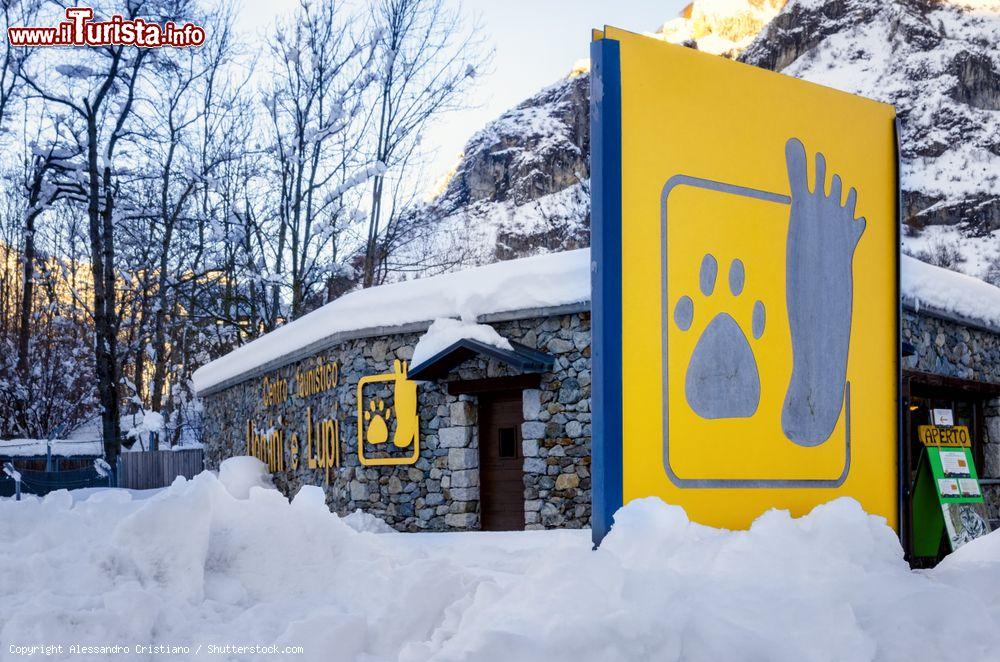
387, 408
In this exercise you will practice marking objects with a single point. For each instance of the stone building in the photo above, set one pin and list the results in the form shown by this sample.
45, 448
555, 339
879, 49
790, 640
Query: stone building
497, 435
484, 423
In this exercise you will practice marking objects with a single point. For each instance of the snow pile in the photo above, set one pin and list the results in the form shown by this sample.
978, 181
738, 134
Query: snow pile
541, 281
445, 332
926, 287
197, 565
239, 475
363, 522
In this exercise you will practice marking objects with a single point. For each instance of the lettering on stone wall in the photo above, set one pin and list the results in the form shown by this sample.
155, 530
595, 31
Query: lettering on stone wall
317, 380
273, 392
267, 445
387, 413
322, 443
278, 448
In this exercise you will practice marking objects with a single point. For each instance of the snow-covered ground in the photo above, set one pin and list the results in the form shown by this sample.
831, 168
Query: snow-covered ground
217, 561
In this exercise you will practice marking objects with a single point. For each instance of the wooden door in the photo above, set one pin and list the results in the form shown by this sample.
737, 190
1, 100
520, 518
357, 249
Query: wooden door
501, 470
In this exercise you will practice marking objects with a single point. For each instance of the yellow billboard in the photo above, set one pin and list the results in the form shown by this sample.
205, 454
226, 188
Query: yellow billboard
746, 309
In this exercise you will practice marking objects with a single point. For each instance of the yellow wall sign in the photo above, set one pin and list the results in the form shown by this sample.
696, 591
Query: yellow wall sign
936, 435
745, 292
382, 415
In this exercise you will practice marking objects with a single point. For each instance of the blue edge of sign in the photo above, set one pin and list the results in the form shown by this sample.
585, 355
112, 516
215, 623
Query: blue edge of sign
606, 283
606, 293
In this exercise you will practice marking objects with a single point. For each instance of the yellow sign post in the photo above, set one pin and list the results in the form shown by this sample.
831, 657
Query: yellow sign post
745, 234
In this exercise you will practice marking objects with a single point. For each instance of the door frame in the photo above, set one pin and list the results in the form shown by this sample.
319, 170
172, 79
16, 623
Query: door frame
485, 399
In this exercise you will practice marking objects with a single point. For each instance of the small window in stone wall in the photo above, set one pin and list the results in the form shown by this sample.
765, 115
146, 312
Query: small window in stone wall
508, 442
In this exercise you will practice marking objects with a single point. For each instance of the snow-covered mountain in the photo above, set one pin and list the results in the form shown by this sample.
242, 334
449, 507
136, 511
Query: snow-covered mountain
938, 62
720, 27
523, 183
522, 186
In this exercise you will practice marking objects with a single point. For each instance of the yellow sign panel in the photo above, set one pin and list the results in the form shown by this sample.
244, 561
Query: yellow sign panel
758, 286
936, 435
380, 412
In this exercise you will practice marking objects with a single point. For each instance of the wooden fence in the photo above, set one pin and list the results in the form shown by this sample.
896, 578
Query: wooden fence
150, 469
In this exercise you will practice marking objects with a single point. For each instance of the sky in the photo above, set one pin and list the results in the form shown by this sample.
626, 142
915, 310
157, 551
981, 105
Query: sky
536, 42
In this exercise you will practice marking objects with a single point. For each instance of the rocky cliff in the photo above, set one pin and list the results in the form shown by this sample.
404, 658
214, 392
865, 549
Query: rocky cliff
522, 186
938, 62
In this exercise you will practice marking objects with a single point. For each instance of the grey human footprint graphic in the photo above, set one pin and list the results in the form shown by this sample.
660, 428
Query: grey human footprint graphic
819, 291
722, 380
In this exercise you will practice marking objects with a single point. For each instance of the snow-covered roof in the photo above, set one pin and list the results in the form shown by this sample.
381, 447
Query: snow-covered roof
544, 281
60, 447
935, 289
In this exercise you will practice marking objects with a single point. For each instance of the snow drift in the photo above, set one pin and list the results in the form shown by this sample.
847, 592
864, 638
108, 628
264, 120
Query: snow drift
196, 564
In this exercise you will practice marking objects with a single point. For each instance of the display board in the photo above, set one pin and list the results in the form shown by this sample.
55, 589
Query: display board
737, 366
947, 498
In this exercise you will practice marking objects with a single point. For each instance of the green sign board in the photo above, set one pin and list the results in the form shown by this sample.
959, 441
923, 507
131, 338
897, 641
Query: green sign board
947, 499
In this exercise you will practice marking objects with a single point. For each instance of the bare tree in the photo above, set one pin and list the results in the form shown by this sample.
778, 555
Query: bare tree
184, 167
161, 207
321, 76
426, 61
101, 95
15, 13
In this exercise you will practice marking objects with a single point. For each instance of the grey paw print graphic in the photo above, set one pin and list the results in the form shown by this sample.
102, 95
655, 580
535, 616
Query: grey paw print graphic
722, 379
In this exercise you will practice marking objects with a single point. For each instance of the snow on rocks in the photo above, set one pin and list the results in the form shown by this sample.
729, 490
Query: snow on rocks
720, 27
533, 282
194, 565
445, 332
938, 64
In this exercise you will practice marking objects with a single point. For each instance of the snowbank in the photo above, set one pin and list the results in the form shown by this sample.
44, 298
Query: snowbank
926, 286
547, 280
445, 332
195, 564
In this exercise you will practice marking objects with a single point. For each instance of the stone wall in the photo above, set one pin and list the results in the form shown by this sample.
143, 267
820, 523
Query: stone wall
945, 347
441, 490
